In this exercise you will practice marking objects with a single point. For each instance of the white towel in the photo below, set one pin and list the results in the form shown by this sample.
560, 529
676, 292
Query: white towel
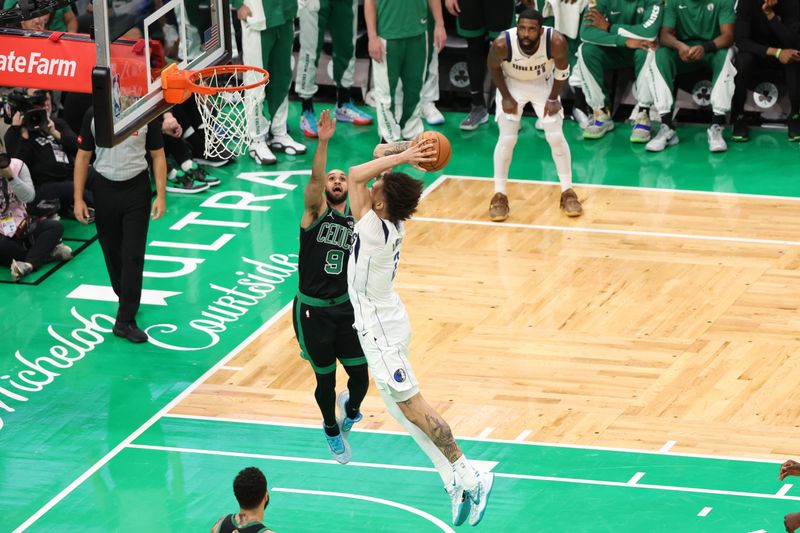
567, 15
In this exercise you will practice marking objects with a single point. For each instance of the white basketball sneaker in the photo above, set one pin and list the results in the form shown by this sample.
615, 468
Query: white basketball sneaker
479, 497
459, 500
261, 153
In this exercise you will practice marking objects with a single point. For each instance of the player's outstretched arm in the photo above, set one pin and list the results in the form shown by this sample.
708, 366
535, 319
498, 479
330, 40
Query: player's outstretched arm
314, 196
359, 176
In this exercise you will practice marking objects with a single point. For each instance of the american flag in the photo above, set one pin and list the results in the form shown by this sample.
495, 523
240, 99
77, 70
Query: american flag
211, 37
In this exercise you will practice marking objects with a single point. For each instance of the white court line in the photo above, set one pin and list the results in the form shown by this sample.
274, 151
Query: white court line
486, 432
785, 489
141, 429
497, 441
133, 436
577, 481
634, 188
704, 511
667, 446
522, 436
430, 518
234, 368
606, 231
636, 477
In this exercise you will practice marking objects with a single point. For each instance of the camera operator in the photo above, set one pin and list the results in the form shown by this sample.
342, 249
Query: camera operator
25, 243
46, 144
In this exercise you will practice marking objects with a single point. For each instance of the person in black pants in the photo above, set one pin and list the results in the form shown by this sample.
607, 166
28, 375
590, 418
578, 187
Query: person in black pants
48, 151
768, 34
25, 245
476, 20
122, 201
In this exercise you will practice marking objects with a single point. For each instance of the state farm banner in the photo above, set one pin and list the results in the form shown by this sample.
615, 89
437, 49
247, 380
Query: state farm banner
65, 61
41, 63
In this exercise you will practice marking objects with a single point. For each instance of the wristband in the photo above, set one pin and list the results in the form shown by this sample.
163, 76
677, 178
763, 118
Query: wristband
709, 46
552, 101
561, 74
778, 53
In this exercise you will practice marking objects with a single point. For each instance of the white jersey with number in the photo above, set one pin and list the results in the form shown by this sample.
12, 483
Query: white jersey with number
374, 258
537, 66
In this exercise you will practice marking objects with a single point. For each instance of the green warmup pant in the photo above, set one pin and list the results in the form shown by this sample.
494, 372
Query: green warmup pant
595, 61
339, 18
272, 49
404, 60
667, 65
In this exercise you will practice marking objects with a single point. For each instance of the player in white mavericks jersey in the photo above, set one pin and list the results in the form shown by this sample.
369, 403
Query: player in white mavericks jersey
383, 326
530, 63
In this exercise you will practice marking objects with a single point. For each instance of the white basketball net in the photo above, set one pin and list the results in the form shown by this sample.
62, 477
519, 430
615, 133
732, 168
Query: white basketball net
232, 119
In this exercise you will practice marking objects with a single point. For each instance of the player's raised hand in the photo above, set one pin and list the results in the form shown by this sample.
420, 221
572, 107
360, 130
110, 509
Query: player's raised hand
326, 126
422, 152
789, 468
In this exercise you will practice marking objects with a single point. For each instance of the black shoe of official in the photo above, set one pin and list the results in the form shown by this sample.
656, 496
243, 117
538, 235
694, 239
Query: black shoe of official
741, 132
130, 331
794, 127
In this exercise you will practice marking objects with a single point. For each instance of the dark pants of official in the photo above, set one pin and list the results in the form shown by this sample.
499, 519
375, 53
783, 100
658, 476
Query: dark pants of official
122, 215
46, 235
748, 66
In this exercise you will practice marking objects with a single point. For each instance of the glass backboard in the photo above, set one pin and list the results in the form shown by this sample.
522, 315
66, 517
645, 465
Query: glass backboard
136, 40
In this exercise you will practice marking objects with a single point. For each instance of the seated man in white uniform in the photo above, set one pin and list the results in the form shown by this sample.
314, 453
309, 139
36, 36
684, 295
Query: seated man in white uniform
383, 326
530, 63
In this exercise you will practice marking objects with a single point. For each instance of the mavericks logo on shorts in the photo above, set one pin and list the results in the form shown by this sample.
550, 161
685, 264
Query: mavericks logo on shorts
399, 375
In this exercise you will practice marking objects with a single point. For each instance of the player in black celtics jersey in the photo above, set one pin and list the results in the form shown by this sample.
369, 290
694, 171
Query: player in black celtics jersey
250, 489
323, 316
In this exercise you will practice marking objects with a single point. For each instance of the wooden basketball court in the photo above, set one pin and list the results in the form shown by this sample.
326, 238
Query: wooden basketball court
658, 316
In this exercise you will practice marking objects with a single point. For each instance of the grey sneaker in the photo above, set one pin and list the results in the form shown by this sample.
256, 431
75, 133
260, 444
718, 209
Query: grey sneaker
477, 116
666, 136
61, 252
20, 269
597, 130
641, 132
716, 143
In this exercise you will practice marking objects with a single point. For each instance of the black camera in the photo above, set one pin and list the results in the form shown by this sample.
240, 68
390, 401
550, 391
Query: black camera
30, 106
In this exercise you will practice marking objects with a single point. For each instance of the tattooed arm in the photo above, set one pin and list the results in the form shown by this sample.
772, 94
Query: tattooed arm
382, 150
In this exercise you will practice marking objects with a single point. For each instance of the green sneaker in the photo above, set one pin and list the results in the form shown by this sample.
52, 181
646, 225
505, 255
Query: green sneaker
182, 182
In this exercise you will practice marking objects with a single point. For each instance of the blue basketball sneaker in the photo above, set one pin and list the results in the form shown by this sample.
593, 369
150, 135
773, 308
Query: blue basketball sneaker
345, 423
350, 113
480, 497
308, 124
459, 500
339, 447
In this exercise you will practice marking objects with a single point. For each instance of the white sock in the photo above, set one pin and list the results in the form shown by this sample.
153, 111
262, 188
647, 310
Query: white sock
466, 472
440, 462
187, 165
500, 185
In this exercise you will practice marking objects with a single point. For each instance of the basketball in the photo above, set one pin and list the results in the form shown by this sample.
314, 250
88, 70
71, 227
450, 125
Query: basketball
443, 150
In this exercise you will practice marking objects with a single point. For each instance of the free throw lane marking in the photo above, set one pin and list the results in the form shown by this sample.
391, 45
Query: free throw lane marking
636, 477
784, 490
704, 511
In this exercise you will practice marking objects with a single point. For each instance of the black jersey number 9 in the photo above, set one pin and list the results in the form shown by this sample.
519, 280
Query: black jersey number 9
334, 262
